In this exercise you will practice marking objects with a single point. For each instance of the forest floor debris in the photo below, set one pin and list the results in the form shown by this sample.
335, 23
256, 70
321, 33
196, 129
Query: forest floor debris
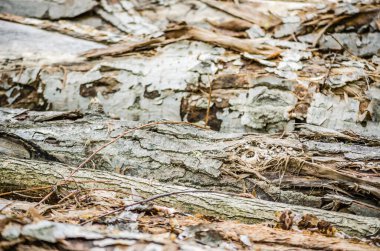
99, 72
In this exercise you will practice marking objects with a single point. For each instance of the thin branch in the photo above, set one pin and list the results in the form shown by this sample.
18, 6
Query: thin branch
46, 197
324, 29
329, 69
155, 197
341, 45
208, 101
25, 190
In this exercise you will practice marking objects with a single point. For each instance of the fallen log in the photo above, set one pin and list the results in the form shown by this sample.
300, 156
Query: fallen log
283, 169
13, 173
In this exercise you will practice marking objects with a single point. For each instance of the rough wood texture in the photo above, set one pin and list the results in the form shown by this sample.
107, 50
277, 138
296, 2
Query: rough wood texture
166, 71
191, 236
287, 169
13, 172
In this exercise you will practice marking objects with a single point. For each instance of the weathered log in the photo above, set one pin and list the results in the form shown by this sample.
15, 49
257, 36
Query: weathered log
278, 169
13, 173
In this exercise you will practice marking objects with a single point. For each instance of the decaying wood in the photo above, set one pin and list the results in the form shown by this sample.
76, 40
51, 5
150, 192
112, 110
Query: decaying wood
287, 169
237, 66
13, 172
165, 72
189, 230
169, 78
266, 235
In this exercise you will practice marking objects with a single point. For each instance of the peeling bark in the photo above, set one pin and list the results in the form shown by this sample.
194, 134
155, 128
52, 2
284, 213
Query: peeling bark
166, 71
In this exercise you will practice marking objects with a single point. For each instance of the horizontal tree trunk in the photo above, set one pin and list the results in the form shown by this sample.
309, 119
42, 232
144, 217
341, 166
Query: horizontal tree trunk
13, 173
283, 169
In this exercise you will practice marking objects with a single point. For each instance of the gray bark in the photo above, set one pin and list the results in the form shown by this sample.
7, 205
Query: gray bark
47, 8
13, 172
171, 79
288, 169
157, 71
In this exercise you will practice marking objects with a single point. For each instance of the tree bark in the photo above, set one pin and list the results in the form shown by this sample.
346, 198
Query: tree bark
13, 173
283, 169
